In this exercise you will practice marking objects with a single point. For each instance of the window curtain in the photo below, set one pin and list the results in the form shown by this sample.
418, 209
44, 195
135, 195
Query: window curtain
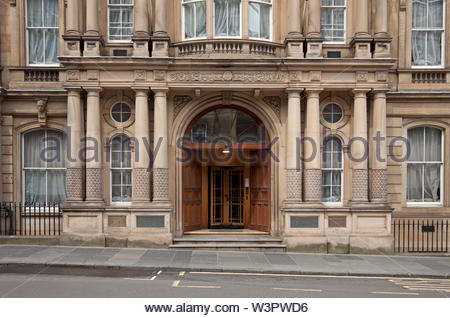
427, 32
332, 173
194, 19
121, 20
227, 17
44, 160
43, 32
424, 165
259, 20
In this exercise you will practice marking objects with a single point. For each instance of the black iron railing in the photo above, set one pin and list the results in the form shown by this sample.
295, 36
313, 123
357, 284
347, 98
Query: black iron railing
420, 235
30, 219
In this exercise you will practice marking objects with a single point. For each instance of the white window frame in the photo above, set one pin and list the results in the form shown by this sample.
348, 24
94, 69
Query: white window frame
443, 34
108, 21
23, 169
183, 20
345, 22
442, 183
121, 169
270, 22
27, 37
111, 113
214, 23
341, 170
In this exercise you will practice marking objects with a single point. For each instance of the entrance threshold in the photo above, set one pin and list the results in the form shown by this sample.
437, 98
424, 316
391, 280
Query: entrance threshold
226, 232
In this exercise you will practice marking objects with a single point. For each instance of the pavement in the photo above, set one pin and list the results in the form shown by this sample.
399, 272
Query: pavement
70, 259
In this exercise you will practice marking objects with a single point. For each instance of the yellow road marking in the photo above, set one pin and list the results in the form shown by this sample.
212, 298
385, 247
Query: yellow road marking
181, 273
298, 289
394, 293
175, 283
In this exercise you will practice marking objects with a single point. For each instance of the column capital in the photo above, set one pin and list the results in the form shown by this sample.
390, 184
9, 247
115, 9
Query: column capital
294, 92
361, 92
160, 91
139, 90
93, 89
73, 90
313, 91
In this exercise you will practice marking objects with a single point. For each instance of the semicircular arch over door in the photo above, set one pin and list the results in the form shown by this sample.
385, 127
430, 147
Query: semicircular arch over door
226, 171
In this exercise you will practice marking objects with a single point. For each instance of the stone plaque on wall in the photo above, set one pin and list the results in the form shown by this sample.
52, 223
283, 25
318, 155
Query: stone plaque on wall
150, 221
117, 221
337, 221
304, 222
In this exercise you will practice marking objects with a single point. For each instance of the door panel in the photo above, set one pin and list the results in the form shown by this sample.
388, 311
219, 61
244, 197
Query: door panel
260, 196
227, 197
192, 197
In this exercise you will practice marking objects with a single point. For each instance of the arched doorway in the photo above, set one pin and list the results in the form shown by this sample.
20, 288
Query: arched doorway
226, 171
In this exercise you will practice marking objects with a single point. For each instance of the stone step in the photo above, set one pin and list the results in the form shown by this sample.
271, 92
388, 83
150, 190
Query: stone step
229, 243
231, 247
231, 239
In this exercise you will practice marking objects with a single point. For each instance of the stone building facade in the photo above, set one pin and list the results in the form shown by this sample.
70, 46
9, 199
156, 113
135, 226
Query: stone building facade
325, 91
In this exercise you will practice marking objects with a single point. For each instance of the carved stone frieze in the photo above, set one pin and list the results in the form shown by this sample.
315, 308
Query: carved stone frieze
228, 76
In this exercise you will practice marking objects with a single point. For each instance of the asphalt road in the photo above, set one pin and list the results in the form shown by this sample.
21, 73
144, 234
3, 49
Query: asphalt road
217, 285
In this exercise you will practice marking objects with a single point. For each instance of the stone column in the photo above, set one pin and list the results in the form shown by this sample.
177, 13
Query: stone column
141, 177
141, 36
94, 146
72, 36
314, 37
294, 39
382, 38
359, 148
312, 172
74, 173
161, 163
293, 137
92, 37
362, 39
160, 37
378, 171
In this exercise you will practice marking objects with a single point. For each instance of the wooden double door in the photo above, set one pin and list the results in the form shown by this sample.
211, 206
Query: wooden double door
226, 197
